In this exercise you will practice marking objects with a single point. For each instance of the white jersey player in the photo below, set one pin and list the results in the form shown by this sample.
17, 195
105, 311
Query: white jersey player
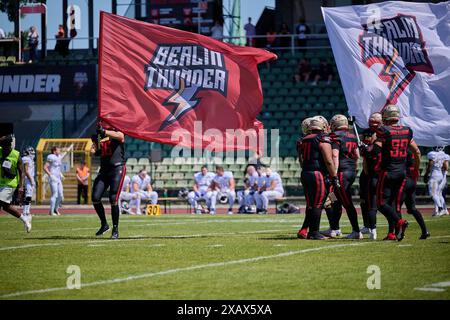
53, 169
222, 185
246, 196
202, 181
141, 185
127, 196
436, 175
29, 171
271, 189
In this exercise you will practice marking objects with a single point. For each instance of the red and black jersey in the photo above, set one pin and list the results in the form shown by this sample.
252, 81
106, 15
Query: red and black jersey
112, 153
410, 164
310, 153
347, 144
396, 140
373, 159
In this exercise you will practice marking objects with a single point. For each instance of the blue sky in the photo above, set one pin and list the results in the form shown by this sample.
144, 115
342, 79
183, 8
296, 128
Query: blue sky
249, 8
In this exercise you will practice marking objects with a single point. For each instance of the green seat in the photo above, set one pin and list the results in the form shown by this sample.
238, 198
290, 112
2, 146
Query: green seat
294, 92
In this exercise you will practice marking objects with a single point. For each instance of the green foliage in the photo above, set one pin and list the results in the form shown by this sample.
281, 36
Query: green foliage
11, 7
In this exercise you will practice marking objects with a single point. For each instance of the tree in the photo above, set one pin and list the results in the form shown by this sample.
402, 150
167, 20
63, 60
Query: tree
11, 7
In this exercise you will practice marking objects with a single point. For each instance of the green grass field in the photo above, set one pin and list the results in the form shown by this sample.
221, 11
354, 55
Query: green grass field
216, 257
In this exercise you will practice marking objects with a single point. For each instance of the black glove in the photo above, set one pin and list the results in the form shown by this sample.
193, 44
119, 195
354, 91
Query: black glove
363, 147
335, 182
101, 132
426, 179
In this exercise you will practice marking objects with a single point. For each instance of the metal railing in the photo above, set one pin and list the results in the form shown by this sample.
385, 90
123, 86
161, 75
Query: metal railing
281, 42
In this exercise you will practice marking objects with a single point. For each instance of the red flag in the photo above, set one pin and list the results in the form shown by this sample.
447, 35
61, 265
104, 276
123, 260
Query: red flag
175, 87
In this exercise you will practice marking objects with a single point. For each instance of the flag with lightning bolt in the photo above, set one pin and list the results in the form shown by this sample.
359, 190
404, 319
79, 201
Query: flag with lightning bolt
156, 83
398, 53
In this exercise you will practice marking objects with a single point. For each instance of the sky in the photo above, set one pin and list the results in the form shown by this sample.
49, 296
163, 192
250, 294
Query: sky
249, 8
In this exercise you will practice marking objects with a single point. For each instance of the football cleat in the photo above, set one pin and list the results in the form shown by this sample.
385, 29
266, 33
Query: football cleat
115, 234
365, 230
331, 233
230, 212
103, 229
302, 234
424, 236
316, 236
355, 235
390, 237
212, 212
373, 234
27, 224
401, 228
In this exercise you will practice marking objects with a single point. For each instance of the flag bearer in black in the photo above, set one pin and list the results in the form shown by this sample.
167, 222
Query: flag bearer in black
409, 194
315, 154
395, 140
109, 145
345, 157
371, 154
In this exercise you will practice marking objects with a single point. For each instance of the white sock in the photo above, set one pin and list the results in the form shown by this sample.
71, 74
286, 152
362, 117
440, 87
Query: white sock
23, 218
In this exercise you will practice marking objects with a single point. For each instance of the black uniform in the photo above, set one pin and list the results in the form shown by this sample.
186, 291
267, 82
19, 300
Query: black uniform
409, 193
111, 175
347, 145
313, 177
366, 138
372, 158
391, 182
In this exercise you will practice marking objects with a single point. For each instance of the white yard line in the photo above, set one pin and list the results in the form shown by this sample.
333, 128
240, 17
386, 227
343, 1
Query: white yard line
26, 246
430, 289
435, 287
177, 270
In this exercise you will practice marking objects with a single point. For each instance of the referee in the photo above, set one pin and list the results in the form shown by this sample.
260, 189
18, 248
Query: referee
109, 145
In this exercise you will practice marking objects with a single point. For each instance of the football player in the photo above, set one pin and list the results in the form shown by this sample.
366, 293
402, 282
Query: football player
394, 140
28, 168
223, 184
53, 169
316, 160
409, 195
109, 145
436, 178
202, 181
304, 128
273, 189
246, 196
126, 195
142, 188
345, 157
371, 154
11, 178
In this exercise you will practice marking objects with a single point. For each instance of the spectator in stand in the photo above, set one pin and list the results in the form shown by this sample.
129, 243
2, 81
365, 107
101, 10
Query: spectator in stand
62, 44
284, 41
217, 31
302, 30
33, 41
250, 32
303, 71
82, 179
271, 37
325, 72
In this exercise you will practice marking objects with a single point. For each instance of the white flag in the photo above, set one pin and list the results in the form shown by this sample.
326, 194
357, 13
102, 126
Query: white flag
395, 53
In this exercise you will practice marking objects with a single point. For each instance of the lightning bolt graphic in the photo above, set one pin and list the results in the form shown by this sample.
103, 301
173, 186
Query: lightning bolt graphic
396, 76
182, 102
